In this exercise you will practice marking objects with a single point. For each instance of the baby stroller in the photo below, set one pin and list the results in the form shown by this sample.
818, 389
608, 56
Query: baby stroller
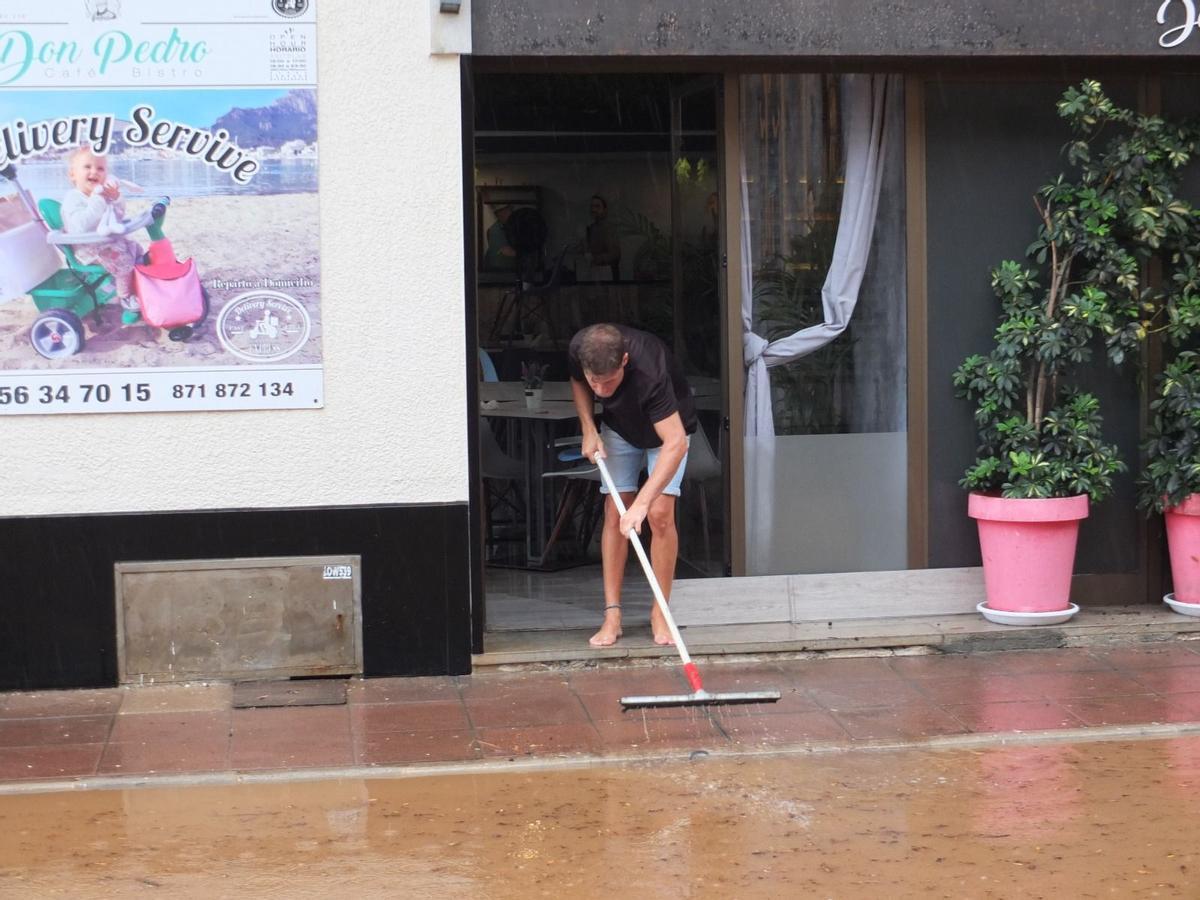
169, 292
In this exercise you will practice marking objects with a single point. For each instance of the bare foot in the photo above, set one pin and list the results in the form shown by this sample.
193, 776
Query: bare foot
658, 628
609, 631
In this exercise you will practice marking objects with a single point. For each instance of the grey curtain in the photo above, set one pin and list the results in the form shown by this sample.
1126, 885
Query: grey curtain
869, 100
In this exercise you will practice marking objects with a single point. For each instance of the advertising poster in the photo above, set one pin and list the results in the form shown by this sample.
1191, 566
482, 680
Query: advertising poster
158, 206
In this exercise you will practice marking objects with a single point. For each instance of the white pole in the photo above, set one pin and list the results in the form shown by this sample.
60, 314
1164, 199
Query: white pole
646, 567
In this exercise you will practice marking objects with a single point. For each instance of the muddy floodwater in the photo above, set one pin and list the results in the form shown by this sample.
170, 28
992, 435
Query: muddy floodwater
1058, 821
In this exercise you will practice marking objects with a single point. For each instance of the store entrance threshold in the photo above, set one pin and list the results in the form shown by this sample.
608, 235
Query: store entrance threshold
959, 633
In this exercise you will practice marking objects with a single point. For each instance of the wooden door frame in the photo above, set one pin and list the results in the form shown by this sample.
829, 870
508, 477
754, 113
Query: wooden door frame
733, 372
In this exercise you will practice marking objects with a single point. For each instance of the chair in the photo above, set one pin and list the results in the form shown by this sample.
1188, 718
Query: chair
583, 483
487, 367
501, 476
702, 466
529, 301
581, 494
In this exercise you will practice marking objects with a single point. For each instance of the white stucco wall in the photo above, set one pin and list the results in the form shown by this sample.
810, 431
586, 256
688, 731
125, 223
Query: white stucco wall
394, 425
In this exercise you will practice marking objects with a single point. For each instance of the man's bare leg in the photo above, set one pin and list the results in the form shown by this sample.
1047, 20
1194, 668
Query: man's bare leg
664, 552
614, 552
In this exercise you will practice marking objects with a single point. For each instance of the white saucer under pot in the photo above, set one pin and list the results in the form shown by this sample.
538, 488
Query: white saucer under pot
1184, 609
1004, 617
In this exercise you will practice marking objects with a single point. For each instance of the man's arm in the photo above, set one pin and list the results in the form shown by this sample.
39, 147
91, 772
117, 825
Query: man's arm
674, 448
585, 408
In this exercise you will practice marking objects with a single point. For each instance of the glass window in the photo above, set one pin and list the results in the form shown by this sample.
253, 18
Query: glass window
823, 233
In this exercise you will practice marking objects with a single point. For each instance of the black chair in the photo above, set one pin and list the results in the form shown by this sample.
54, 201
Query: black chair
503, 487
531, 302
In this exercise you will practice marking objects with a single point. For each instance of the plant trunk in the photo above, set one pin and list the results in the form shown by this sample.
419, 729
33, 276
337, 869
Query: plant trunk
1059, 269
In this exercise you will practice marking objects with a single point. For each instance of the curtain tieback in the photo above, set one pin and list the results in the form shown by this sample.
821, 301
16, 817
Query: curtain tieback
753, 347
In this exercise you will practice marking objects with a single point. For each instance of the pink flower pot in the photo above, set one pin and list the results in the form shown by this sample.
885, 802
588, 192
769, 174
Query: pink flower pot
1183, 541
1028, 550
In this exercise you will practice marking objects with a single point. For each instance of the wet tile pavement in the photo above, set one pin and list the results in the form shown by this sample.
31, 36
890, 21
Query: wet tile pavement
844, 701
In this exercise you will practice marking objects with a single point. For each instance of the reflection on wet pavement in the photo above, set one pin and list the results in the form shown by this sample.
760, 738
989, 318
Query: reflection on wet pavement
1053, 820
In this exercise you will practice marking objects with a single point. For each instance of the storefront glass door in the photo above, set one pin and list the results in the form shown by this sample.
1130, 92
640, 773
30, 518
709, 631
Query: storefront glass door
823, 319
595, 200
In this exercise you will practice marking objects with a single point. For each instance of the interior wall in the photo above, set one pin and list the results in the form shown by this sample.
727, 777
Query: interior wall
638, 183
393, 428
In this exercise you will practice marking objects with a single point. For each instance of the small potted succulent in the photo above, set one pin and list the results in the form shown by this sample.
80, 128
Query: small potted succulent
533, 375
1170, 480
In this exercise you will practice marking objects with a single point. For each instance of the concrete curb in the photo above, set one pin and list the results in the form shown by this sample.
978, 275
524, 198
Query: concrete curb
972, 741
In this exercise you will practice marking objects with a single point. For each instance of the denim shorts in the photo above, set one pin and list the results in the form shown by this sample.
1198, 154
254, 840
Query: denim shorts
625, 463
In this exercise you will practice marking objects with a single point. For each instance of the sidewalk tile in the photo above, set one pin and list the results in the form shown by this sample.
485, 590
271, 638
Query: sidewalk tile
1151, 656
159, 728
1063, 685
744, 673
539, 740
291, 722
608, 706
104, 701
1174, 680
635, 732
402, 690
49, 732
1019, 715
979, 688
432, 715
941, 665
863, 694
207, 754
640, 681
1030, 662
784, 728
901, 723
512, 686
839, 670
551, 707
63, 761
395, 748
1136, 709
267, 752
738, 679
792, 701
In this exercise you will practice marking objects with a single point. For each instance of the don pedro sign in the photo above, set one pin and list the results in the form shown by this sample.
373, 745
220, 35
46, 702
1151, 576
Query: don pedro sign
20, 51
1181, 16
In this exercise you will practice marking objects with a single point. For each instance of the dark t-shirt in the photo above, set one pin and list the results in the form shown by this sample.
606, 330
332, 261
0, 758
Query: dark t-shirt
653, 388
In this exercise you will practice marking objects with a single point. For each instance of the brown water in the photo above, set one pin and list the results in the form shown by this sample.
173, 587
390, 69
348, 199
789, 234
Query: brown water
1060, 821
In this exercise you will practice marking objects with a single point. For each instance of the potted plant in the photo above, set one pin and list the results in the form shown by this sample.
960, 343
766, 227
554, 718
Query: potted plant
533, 375
1042, 457
1170, 480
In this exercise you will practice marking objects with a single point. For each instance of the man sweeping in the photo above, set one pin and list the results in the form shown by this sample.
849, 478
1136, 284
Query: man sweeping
648, 414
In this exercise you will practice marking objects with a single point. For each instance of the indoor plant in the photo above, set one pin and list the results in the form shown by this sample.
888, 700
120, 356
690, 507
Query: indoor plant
532, 376
1170, 481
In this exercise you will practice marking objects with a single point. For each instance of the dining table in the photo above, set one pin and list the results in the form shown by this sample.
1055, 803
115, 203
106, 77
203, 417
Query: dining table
533, 435
536, 430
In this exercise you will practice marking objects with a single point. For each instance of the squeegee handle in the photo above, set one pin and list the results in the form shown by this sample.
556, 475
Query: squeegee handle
693, 676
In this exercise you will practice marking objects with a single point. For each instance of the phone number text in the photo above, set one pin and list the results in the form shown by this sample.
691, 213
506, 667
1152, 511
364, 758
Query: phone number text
99, 394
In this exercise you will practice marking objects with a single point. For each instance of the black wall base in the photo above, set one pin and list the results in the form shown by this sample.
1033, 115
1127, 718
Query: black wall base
57, 613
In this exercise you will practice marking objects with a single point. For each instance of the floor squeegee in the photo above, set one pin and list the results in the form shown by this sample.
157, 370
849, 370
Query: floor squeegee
699, 696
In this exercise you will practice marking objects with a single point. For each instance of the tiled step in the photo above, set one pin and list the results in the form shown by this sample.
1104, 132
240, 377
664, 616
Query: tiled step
950, 634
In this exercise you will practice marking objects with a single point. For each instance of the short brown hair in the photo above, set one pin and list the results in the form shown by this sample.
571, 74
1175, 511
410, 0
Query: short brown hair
601, 349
